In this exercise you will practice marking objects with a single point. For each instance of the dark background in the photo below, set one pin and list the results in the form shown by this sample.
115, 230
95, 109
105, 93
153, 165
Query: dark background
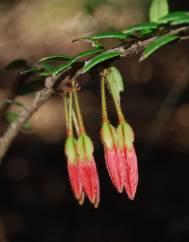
36, 202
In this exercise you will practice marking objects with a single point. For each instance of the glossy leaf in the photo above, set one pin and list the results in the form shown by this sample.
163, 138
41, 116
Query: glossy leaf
181, 20
159, 42
17, 64
31, 87
158, 9
86, 53
47, 69
112, 35
11, 117
61, 68
100, 58
56, 58
140, 27
67, 65
45, 73
173, 17
31, 70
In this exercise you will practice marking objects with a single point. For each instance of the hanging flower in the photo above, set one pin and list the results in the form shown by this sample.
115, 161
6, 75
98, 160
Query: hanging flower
128, 155
73, 169
120, 155
112, 155
87, 169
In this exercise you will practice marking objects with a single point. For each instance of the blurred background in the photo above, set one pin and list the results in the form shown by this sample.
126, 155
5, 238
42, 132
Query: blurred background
36, 202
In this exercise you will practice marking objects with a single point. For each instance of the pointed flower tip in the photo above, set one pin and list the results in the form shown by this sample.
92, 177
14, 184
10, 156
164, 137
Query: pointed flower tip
81, 199
96, 204
132, 194
131, 180
87, 169
90, 181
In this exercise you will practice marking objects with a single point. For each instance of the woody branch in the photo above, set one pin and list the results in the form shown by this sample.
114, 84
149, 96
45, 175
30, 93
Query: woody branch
42, 96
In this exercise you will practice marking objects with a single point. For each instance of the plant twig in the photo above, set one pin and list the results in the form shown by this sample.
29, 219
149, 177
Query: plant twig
42, 96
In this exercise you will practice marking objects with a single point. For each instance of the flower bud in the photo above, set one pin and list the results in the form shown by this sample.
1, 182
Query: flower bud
87, 169
112, 156
70, 149
84, 147
130, 167
126, 135
73, 169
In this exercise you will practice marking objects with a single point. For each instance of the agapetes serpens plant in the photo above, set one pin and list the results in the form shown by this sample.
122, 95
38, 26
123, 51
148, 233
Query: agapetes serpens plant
58, 74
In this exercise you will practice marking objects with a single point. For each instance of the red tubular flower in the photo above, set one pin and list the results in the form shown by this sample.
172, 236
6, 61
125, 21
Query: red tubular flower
73, 169
114, 161
131, 179
87, 169
126, 139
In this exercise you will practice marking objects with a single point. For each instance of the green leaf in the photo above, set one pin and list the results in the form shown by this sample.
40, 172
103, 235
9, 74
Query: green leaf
173, 17
56, 58
100, 58
11, 101
159, 42
44, 70
47, 69
30, 70
140, 28
86, 53
158, 9
11, 117
47, 66
61, 68
181, 20
31, 87
45, 74
67, 65
17, 64
112, 35
116, 81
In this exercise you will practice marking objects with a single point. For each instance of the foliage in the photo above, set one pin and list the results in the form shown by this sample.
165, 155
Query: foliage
121, 160
161, 21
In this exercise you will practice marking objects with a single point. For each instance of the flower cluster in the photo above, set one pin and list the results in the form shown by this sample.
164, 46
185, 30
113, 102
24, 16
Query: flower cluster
120, 156
119, 152
80, 160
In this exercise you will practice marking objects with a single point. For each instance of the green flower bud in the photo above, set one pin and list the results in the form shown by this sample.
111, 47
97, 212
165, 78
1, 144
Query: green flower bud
84, 147
108, 135
70, 149
125, 135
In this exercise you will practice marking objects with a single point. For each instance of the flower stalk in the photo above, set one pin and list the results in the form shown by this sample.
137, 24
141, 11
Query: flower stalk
71, 152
